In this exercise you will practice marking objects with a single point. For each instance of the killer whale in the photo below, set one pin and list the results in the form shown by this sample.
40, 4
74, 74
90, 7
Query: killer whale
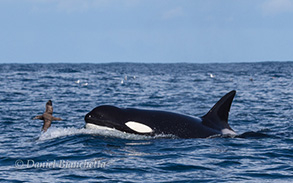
154, 122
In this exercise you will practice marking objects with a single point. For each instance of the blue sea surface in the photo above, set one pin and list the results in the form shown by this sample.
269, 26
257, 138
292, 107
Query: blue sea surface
261, 114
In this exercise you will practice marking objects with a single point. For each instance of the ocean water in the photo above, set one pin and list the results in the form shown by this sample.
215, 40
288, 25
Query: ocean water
261, 114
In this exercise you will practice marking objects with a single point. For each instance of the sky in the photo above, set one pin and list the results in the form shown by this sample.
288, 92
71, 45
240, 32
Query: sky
149, 31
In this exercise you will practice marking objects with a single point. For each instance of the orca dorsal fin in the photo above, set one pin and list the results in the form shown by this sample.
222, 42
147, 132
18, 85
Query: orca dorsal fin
217, 117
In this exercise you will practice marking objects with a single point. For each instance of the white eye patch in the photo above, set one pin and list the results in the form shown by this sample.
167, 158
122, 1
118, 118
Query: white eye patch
138, 127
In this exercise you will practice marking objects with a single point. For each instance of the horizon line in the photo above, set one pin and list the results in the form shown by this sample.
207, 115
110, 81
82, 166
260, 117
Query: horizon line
133, 62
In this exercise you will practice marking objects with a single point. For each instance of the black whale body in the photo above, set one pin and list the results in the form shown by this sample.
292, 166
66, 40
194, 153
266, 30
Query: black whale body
154, 122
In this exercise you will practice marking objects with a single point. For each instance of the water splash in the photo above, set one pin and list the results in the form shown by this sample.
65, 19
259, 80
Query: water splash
53, 133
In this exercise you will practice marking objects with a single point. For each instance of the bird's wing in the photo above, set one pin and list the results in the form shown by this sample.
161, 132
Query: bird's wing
39, 117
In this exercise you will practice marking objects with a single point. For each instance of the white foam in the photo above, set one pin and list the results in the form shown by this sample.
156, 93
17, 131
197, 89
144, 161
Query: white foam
53, 133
